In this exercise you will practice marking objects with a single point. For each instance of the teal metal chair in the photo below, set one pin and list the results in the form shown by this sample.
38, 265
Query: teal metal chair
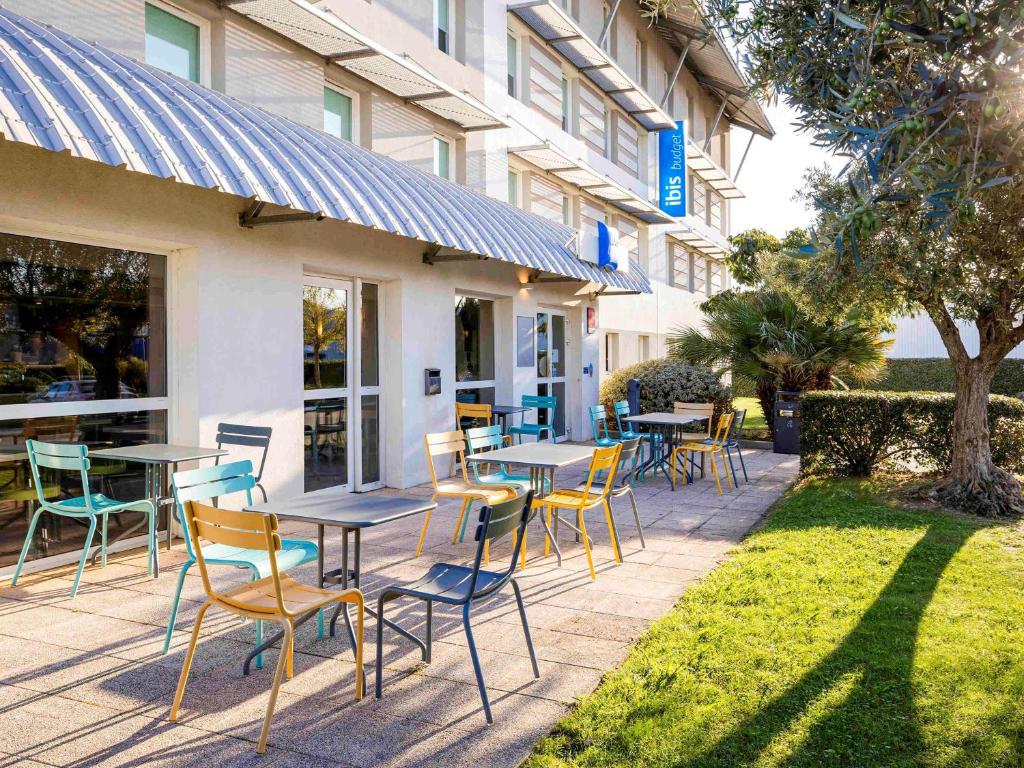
626, 432
540, 403
65, 457
210, 483
599, 426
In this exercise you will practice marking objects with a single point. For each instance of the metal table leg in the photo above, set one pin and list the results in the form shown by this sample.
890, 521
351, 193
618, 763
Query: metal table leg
537, 476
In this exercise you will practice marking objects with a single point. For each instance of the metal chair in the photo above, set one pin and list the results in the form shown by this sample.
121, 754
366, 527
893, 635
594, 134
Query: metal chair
599, 425
461, 585
277, 597
89, 506
713, 446
700, 411
732, 443
468, 415
248, 437
207, 484
541, 403
624, 487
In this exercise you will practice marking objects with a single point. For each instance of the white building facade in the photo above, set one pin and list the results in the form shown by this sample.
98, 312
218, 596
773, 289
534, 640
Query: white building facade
139, 308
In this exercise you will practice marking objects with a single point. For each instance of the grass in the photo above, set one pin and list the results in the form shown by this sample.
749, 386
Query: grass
755, 427
847, 632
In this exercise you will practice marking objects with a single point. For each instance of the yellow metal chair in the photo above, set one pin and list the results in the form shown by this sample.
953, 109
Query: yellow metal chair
712, 447
454, 444
593, 493
277, 597
698, 411
467, 414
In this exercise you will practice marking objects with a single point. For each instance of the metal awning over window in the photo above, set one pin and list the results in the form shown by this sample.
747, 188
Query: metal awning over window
700, 237
556, 162
558, 30
341, 44
714, 66
65, 95
698, 161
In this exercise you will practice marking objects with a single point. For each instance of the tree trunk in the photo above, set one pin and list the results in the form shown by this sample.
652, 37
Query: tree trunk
973, 481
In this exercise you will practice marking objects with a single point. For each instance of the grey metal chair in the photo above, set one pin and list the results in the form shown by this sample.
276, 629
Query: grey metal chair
248, 437
624, 476
732, 443
467, 585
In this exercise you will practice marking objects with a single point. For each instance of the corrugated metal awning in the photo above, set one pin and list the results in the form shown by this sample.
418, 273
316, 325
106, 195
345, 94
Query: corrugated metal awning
558, 30
62, 94
700, 162
327, 35
574, 171
699, 236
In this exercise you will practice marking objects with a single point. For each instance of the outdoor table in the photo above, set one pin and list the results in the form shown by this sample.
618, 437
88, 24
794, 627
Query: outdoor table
352, 512
667, 425
157, 458
542, 459
503, 412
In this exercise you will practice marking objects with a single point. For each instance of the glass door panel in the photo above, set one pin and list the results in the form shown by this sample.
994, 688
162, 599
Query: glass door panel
369, 474
551, 366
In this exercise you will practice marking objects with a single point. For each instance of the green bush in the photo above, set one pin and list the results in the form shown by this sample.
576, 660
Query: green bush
851, 433
935, 374
664, 382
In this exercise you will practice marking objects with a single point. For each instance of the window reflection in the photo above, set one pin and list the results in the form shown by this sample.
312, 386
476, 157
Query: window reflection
474, 339
325, 337
80, 322
326, 443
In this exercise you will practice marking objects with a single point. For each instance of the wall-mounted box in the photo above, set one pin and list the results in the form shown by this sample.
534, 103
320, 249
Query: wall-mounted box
432, 381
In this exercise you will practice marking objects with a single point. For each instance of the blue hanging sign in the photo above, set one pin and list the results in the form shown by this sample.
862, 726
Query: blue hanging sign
672, 170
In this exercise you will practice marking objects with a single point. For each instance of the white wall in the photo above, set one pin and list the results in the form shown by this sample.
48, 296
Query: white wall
916, 337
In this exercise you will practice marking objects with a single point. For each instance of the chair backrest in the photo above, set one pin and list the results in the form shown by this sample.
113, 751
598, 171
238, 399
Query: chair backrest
63, 457
736, 432
598, 420
495, 521
208, 483
245, 530
484, 438
245, 436
604, 462
540, 402
445, 444
472, 411
722, 432
621, 409
697, 410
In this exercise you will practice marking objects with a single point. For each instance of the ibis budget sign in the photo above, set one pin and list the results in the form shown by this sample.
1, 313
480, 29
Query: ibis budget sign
672, 170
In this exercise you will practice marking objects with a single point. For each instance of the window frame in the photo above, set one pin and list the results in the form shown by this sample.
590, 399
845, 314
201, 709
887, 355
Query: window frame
354, 97
478, 383
515, 178
439, 139
203, 25
449, 7
513, 69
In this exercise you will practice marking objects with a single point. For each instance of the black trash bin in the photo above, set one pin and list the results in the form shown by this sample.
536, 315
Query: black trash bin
633, 396
787, 422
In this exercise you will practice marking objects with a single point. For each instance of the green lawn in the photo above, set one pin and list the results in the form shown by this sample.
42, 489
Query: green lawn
847, 632
754, 426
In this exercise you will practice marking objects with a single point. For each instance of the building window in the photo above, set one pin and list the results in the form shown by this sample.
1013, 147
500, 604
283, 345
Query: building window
566, 211
474, 341
442, 158
670, 102
513, 65
593, 120
442, 25
682, 267
699, 201
611, 352
606, 13
172, 43
513, 188
547, 87
714, 277
83, 340
629, 239
645, 348
627, 145
548, 200
566, 112
590, 215
641, 62
715, 210
338, 114
700, 274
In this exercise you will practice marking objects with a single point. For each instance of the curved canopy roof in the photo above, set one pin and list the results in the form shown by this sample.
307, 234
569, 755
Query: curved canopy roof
65, 95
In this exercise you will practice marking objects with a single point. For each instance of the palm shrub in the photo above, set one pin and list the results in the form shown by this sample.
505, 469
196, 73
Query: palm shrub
769, 343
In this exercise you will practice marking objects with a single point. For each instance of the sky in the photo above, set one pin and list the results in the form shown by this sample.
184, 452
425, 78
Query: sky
771, 175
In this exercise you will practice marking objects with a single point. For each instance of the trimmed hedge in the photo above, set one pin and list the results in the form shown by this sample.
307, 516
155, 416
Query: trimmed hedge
935, 374
851, 433
664, 382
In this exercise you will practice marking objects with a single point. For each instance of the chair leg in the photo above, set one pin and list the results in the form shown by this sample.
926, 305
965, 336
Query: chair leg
586, 542
153, 549
186, 665
379, 683
725, 467
732, 467
702, 465
547, 537
611, 530
26, 545
174, 605
423, 533
458, 523
103, 546
288, 649
282, 662
430, 631
85, 555
476, 663
360, 616
675, 471
742, 464
522, 553
465, 521
526, 627
636, 517
714, 472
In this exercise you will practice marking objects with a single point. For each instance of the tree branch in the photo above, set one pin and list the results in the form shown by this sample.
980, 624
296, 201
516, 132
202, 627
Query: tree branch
948, 330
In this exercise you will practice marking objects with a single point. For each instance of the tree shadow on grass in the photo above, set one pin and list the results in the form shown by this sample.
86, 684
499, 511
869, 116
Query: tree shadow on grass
859, 699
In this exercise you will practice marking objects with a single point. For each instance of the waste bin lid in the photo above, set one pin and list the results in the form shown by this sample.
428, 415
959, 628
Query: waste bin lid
781, 395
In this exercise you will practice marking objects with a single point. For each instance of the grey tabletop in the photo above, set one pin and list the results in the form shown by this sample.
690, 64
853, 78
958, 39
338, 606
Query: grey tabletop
667, 419
507, 410
159, 453
541, 454
333, 506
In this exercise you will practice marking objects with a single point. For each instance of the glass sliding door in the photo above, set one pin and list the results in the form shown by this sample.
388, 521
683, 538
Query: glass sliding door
551, 365
341, 381
474, 350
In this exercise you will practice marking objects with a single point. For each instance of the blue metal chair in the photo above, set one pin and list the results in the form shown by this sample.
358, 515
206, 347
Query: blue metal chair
210, 483
541, 403
66, 457
599, 427
247, 436
461, 585
626, 432
732, 443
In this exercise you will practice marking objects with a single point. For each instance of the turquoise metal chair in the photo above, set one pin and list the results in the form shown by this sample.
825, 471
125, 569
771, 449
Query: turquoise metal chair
65, 457
599, 426
626, 432
541, 403
210, 483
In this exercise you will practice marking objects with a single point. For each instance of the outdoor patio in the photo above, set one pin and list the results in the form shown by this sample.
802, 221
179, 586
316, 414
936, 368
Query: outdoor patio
84, 682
